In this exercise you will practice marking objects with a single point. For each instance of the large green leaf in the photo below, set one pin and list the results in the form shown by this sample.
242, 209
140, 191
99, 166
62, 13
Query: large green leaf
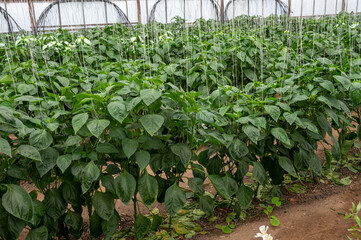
273, 111
344, 81
129, 146
148, 189
63, 162
183, 152
252, 132
141, 226
206, 204
118, 111
54, 203
49, 157
17, 202
40, 139
109, 227
78, 121
40, 233
142, 158
29, 152
106, 148
152, 123
174, 199
96, 127
74, 221
89, 174
259, 173
125, 186
238, 149
149, 95
5, 147
225, 186
103, 205
244, 195
287, 165
281, 135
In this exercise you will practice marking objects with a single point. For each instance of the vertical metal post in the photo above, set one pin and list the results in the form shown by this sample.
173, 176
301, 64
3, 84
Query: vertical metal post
201, 8
106, 12
31, 14
233, 10
357, 6
126, 8
82, 7
343, 5
289, 7
276, 10
147, 9
166, 11
324, 11
263, 8
59, 14
139, 12
222, 11
336, 7
301, 9
184, 12
313, 10
248, 8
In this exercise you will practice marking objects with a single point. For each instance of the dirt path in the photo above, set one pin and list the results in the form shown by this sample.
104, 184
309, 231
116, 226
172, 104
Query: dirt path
312, 216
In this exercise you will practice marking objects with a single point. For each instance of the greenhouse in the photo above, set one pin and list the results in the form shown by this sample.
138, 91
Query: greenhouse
180, 119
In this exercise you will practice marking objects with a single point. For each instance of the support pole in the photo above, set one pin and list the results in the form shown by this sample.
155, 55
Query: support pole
32, 18
222, 11
343, 5
289, 7
139, 12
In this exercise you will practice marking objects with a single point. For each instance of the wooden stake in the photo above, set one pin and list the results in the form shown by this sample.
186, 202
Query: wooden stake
139, 12
32, 19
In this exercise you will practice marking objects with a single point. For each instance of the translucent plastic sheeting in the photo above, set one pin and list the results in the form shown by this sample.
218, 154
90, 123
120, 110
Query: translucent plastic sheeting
20, 12
165, 10
322, 7
236, 8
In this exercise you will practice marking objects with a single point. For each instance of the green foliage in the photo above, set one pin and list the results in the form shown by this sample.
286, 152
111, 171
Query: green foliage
101, 116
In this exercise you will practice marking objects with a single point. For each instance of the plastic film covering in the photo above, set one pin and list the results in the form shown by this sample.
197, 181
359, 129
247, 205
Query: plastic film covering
235, 8
80, 14
7, 23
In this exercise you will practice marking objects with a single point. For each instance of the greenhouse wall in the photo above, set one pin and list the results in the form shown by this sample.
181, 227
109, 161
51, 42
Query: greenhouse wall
142, 11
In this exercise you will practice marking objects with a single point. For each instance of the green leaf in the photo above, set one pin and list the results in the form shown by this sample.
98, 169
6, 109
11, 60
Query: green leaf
238, 149
74, 221
96, 127
63, 162
118, 111
89, 174
78, 121
183, 152
355, 93
40, 139
174, 199
148, 189
125, 185
273, 111
95, 226
29, 152
225, 186
7, 79
196, 184
259, 173
281, 135
49, 157
287, 165
346, 83
315, 163
106, 148
72, 141
40, 233
129, 146
244, 195
5, 147
290, 118
54, 203
274, 221
250, 74
252, 133
206, 204
109, 227
17, 202
38, 212
325, 61
141, 226
152, 123
71, 192
103, 205
149, 95
142, 158
328, 85
226, 230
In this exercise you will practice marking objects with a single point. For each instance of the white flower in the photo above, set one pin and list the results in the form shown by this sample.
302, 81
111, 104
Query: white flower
263, 233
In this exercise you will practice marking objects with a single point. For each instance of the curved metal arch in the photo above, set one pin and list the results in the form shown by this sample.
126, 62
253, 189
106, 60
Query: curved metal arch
214, 3
40, 23
282, 5
9, 20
